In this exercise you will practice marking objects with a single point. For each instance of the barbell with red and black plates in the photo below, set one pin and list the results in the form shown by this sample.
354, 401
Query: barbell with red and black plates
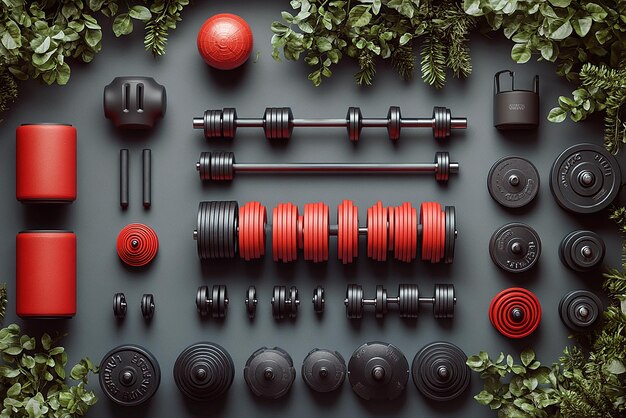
224, 229
515, 312
221, 166
278, 123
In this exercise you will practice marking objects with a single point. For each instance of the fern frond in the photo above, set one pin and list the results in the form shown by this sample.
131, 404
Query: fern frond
433, 63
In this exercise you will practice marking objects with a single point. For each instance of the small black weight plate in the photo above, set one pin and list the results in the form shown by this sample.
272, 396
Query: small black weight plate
444, 301
251, 301
378, 371
381, 301
324, 370
451, 232
119, 305
585, 178
439, 371
129, 375
394, 123
513, 182
408, 300
147, 306
202, 300
204, 371
269, 372
515, 247
580, 310
294, 301
318, 300
582, 250
354, 301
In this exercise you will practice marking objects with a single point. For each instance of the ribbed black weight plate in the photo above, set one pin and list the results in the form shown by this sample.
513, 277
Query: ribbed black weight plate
408, 300
580, 310
204, 371
129, 375
439, 371
582, 250
354, 301
324, 370
269, 372
147, 306
251, 301
444, 301
513, 182
202, 300
451, 232
378, 371
216, 229
381, 302
318, 300
515, 247
585, 178
119, 305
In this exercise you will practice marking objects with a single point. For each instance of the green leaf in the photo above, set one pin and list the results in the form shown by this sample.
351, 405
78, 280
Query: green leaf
560, 3
63, 76
474, 362
582, 25
405, 38
527, 357
122, 25
93, 37
616, 367
13, 351
12, 36
472, 7
140, 13
597, 12
14, 390
484, 397
46, 341
561, 30
521, 53
531, 383
323, 44
359, 16
78, 372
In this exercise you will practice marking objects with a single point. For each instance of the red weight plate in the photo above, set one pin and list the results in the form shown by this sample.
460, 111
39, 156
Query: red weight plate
307, 231
354, 236
399, 246
137, 244
275, 231
243, 231
288, 225
391, 227
341, 232
442, 232
300, 232
370, 232
507, 300
381, 215
426, 231
262, 217
435, 223
413, 232
374, 233
325, 237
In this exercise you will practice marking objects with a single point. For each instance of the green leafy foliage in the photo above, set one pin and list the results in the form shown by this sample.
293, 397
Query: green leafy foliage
33, 379
587, 41
165, 14
324, 32
589, 380
3, 300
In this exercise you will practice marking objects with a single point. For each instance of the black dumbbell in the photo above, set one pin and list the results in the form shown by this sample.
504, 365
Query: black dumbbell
318, 300
221, 166
251, 301
119, 305
408, 301
216, 304
285, 302
147, 306
278, 123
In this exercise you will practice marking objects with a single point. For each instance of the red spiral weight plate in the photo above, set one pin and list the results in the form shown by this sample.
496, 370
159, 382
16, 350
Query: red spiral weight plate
252, 220
502, 306
225, 41
137, 244
284, 232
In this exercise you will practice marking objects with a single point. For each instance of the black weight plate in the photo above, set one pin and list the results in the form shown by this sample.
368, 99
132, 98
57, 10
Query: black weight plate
580, 310
200, 230
204, 371
275, 302
378, 371
318, 300
582, 250
129, 375
147, 306
513, 182
381, 301
394, 123
269, 373
515, 247
408, 300
439, 371
202, 300
119, 305
580, 163
451, 232
354, 301
251, 302
324, 370
294, 301
444, 301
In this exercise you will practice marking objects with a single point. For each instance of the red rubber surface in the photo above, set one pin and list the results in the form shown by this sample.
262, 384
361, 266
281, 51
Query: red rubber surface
225, 41
377, 231
284, 232
45, 163
316, 221
252, 220
347, 231
45, 274
508, 299
146, 248
391, 227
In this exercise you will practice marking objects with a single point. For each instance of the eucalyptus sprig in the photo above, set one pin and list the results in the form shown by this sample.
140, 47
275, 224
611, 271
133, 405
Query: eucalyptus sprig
324, 32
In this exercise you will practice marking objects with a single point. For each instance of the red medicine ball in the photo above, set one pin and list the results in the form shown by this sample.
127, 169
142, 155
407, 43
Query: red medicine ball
45, 274
225, 41
45, 163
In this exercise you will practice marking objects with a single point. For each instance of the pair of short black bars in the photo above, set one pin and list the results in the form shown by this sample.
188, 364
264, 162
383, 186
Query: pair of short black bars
147, 178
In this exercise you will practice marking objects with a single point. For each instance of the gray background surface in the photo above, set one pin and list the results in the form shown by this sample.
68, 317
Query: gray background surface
176, 273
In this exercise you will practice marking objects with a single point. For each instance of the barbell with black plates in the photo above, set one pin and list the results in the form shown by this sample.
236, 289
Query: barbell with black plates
278, 123
204, 371
585, 178
269, 372
251, 301
119, 305
318, 300
221, 166
215, 304
324, 370
285, 302
129, 375
224, 229
147, 306
378, 371
580, 310
439, 371
582, 250
408, 301
515, 247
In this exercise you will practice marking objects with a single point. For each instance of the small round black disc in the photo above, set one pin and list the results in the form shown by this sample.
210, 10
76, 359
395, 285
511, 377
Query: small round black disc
439, 371
129, 375
204, 371
515, 247
513, 182
378, 371
585, 178
582, 250
580, 310
269, 373
324, 370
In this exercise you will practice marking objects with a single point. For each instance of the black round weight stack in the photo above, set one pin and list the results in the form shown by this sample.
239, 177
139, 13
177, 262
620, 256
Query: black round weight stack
318, 300
129, 375
204, 371
378, 371
513, 182
215, 304
147, 306
119, 305
285, 302
269, 372
218, 236
278, 123
324, 370
585, 178
580, 310
251, 301
515, 247
582, 250
439, 371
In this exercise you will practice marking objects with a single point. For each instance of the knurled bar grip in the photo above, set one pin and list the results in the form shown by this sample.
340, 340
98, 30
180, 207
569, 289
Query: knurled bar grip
278, 123
222, 166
